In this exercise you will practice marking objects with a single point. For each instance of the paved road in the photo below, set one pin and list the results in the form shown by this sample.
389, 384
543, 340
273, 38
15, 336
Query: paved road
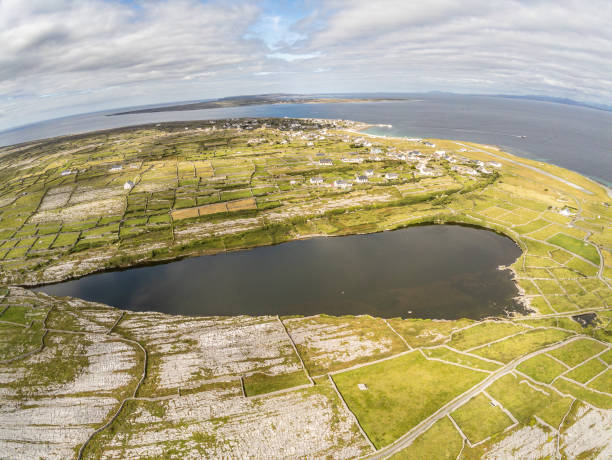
418, 430
533, 168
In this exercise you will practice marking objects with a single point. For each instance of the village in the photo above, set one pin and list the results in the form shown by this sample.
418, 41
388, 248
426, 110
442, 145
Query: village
85, 380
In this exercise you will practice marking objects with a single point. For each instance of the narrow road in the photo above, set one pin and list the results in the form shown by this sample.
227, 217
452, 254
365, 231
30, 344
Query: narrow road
533, 168
407, 439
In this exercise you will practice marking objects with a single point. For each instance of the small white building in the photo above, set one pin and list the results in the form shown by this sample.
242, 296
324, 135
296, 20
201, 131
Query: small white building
115, 168
426, 171
339, 183
465, 170
316, 180
352, 160
293, 182
361, 179
391, 176
129, 185
566, 212
66, 173
362, 386
325, 162
369, 172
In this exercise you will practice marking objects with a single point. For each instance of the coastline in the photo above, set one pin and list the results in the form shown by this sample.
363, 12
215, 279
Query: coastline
546, 173
355, 129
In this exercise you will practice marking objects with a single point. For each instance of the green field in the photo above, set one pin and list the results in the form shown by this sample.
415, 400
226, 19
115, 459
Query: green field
483, 333
479, 419
576, 246
578, 351
401, 392
586, 371
542, 368
459, 358
208, 187
524, 400
514, 347
441, 441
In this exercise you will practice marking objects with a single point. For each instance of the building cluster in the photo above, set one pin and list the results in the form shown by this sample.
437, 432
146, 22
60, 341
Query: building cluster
422, 162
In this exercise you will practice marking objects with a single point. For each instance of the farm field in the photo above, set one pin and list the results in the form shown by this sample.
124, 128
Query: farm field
81, 379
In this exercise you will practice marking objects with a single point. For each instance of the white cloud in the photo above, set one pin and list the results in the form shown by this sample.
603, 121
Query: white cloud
559, 48
293, 57
66, 56
61, 47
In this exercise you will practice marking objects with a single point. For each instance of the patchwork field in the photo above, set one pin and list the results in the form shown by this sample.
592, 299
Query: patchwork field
85, 380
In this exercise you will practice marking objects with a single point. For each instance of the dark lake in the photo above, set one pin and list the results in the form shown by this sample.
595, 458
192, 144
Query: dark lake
433, 271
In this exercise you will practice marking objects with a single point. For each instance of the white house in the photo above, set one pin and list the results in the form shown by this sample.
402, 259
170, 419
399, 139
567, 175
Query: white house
66, 173
369, 172
316, 180
391, 176
352, 160
465, 170
361, 179
129, 185
325, 162
566, 212
115, 168
425, 171
293, 182
339, 183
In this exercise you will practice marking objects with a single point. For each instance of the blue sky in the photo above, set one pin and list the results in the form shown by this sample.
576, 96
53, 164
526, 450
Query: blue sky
60, 57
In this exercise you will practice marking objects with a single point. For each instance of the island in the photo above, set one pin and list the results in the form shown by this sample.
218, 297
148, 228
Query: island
81, 379
260, 99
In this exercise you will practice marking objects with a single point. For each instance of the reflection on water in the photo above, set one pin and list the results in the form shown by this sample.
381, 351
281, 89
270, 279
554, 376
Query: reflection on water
434, 271
577, 138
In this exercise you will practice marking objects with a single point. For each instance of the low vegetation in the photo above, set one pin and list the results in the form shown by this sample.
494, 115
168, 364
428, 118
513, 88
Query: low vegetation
480, 419
401, 392
83, 377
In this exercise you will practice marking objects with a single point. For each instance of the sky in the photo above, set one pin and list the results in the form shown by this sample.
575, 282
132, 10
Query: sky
61, 57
